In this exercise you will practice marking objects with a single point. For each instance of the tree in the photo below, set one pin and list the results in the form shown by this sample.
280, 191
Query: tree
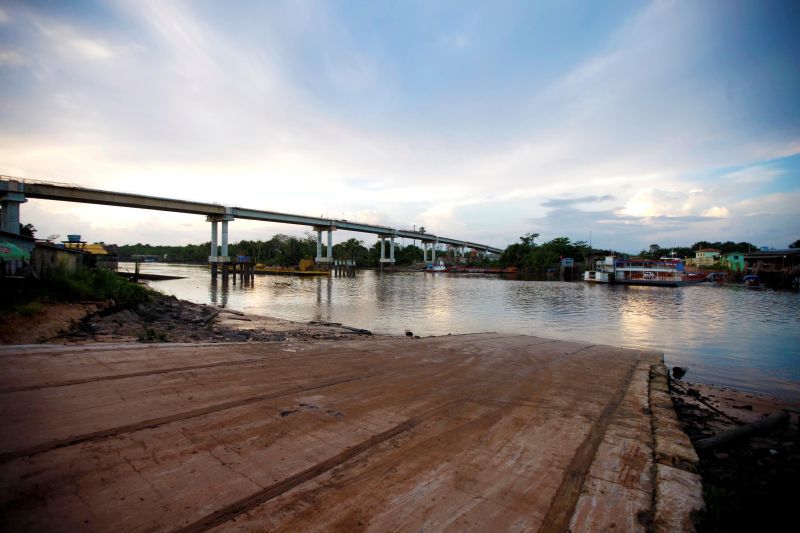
27, 230
529, 239
795, 244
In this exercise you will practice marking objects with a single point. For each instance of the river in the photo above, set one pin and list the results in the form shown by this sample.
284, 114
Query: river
726, 335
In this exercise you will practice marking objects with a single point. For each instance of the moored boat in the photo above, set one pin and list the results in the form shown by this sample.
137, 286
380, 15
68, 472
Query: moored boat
664, 272
437, 266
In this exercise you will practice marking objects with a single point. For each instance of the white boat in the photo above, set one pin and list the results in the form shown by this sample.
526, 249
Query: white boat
438, 266
603, 271
665, 272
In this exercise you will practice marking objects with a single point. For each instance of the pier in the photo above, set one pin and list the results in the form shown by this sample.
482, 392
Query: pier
463, 432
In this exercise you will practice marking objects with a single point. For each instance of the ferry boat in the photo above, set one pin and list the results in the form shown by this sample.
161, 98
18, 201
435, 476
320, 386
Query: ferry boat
664, 272
438, 266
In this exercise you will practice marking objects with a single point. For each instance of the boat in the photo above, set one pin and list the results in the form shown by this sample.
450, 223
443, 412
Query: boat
437, 266
664, 272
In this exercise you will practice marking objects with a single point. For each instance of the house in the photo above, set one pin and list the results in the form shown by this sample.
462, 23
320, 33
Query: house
99, 255
48, 257
734, 261
706, 257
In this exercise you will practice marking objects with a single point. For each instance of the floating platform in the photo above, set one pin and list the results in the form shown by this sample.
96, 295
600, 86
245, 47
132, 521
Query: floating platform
290, 272
466, 432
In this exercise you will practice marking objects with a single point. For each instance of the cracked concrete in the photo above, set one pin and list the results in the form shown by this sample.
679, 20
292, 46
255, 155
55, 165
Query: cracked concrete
487, 432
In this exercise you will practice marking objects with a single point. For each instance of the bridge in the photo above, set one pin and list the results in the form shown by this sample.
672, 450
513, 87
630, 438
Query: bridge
15, 191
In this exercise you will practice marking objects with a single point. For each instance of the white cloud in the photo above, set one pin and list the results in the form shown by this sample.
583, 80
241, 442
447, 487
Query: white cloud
194, 109
11, 58
755, 174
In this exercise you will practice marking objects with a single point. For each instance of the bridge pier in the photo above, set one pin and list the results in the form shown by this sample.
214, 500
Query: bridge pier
9, 202
385, 259
328, 258
215, 259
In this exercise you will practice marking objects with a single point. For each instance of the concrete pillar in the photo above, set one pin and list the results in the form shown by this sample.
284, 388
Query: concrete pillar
391, 250
433, 251
383, 249
9, 202
319, 244
213, 253
224, 239
330, 245
424, 251
214, 247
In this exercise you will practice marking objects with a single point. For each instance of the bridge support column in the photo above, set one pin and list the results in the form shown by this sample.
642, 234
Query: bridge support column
328, 257
217, 257
433, 250
224, 253
9, 202
385, 259
213, 257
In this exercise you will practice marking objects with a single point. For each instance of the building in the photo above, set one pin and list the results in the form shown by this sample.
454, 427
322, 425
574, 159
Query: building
706, 257
734, 261
48, 257
99, 255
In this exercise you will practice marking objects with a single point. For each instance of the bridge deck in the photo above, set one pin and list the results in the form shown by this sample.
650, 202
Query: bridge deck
487, 432
67, 193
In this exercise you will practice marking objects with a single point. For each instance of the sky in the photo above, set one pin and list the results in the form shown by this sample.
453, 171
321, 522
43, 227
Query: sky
627, 122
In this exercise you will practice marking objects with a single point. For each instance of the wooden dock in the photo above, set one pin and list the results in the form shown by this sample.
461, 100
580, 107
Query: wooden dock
481, 432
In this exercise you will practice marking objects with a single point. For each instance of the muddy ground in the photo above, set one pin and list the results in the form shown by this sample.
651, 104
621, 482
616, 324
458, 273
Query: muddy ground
749, 484
165, 319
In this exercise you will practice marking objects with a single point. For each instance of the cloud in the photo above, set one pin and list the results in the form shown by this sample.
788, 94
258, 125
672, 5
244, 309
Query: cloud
312, 110
11, 58
754, 174
566, 202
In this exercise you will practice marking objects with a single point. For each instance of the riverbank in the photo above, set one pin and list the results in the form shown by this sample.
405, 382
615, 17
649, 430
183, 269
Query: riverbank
748, 484
161, 319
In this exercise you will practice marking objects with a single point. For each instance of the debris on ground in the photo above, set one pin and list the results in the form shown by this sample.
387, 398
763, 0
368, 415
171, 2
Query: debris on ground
749, 483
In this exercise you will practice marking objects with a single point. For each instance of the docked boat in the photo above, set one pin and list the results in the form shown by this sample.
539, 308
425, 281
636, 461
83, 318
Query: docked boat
664, 272
437, 266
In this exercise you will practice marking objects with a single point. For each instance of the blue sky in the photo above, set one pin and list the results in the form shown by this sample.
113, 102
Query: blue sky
642, 122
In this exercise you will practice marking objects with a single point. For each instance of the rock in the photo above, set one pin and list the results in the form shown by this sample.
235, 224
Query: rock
678, 372
409, 333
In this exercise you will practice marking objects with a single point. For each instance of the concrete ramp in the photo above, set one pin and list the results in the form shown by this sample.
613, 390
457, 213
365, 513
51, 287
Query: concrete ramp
471, 432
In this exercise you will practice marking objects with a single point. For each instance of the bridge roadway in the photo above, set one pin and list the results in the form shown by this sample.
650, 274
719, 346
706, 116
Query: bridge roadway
69, 193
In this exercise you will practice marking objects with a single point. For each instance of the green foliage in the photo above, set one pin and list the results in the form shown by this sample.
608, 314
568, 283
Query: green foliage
93, 284
82, 285
27, 230
529, 256
28, 308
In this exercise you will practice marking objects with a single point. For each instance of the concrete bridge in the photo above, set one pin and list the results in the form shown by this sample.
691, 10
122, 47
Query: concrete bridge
15, 191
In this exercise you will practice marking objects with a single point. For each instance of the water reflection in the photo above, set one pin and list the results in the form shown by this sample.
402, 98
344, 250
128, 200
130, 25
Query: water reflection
728, 336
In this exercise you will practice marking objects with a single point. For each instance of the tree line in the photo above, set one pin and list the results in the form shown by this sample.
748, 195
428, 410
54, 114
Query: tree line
529, 256
280, 250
